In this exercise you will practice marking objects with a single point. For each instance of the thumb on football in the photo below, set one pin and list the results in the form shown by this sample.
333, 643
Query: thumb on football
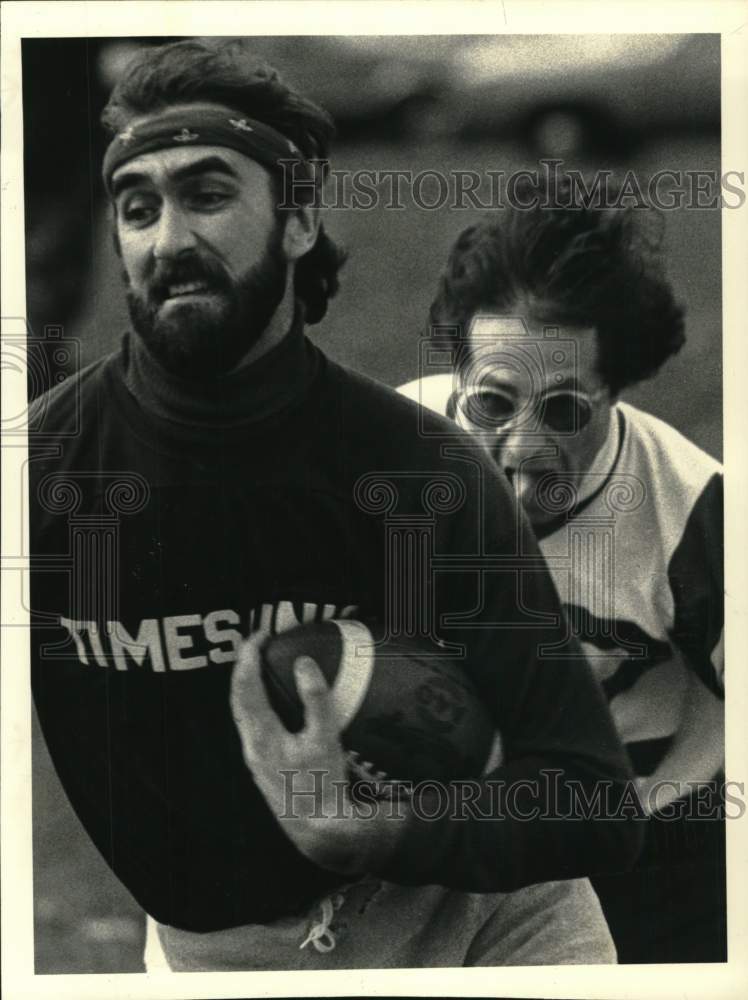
319, 714
250, 706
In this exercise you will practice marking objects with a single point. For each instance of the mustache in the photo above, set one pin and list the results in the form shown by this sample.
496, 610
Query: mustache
164, 274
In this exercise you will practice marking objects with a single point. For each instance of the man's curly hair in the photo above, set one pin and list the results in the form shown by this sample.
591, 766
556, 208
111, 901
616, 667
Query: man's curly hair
570, 264
226, 71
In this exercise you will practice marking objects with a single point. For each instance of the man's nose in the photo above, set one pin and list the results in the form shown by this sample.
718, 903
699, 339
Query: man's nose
515, 445
173, 235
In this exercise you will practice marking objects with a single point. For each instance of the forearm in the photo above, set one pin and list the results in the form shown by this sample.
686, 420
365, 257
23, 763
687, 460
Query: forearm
562, 804
553, 810
529, 823
696, 754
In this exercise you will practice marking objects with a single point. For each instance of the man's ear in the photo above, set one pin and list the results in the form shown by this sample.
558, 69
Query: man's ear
300, 234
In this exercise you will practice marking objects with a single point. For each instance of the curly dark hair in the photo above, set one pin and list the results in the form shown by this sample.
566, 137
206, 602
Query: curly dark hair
226, 71
570, 264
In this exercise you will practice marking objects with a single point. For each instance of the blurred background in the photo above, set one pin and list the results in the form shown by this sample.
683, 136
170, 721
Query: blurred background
641, 102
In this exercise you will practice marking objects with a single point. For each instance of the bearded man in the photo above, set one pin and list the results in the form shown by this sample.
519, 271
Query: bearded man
213, 491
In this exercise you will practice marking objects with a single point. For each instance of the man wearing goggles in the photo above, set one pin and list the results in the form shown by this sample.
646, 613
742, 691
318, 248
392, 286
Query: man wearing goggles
547, 315
536, 403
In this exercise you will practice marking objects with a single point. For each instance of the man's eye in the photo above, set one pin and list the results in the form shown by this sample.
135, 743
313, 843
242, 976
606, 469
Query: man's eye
139, 211
207, 199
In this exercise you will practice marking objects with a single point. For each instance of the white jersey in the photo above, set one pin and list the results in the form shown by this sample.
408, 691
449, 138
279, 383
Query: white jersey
638, 566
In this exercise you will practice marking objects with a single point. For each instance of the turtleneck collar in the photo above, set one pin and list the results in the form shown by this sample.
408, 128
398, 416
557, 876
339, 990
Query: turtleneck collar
253, 393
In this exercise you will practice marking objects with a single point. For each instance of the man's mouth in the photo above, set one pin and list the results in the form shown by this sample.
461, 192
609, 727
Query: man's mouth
185, 289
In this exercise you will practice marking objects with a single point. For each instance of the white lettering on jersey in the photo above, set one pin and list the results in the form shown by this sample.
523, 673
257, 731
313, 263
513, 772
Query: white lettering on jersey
218, 636
146, 643
75, 629
176, 642
165, 644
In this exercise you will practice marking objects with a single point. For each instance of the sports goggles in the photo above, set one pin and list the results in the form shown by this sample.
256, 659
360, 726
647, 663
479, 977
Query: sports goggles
561, 410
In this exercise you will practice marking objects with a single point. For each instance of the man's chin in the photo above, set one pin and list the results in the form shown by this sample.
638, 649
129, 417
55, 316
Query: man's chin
190, 344
539, 515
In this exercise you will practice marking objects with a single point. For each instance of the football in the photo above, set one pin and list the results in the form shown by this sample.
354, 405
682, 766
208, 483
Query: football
405, 713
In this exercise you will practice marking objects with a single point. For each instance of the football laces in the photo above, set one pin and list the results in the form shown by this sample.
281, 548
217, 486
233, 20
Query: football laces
364, 769
383, 786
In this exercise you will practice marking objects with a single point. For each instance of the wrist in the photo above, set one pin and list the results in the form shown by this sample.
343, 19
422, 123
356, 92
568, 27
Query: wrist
369, 837
386, 829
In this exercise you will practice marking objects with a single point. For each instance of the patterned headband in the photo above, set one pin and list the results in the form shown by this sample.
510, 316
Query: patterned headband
198, 126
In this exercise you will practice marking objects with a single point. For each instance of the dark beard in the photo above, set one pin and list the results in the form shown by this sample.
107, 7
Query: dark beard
195, 343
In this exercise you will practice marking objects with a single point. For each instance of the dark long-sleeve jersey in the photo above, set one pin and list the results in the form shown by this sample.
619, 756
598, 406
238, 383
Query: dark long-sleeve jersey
160, 541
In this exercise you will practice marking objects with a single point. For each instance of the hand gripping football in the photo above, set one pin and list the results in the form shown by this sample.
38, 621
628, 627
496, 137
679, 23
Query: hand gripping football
403, 712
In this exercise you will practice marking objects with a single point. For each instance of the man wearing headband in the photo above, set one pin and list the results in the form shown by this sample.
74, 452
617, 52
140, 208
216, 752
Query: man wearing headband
562, 308
215, 489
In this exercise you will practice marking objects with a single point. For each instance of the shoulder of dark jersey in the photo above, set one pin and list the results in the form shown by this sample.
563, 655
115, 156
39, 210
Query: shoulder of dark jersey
391, 441
389, 422
65, 423
65, 407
